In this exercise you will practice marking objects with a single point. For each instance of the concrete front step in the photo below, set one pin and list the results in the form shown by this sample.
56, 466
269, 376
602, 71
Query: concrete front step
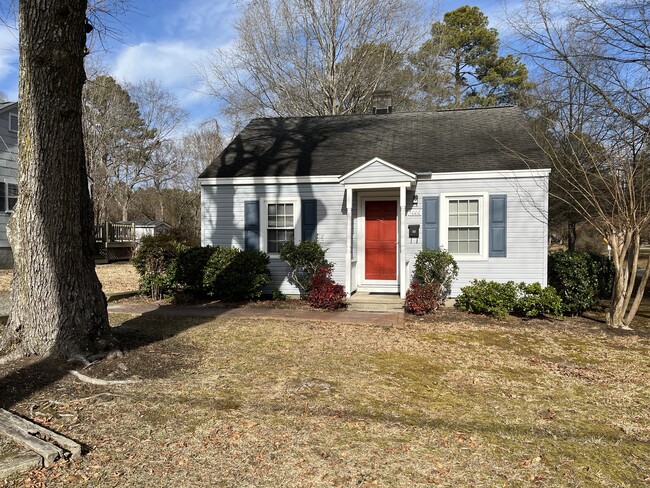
375, 302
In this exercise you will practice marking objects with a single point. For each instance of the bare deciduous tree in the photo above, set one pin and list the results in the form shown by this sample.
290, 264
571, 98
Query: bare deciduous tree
602, 50
290, 56
163, 116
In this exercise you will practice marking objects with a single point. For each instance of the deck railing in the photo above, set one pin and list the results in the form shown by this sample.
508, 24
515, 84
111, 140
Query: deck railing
112, 233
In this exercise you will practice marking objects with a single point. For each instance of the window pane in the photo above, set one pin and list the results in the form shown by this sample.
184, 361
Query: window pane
472, 234
12, 195
473, 247
462, 206
277, 238
462, 247
273, 209
473, 206
453, 247
462, 219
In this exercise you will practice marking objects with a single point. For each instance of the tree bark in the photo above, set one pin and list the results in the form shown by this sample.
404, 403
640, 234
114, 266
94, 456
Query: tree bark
571, 236
58, 307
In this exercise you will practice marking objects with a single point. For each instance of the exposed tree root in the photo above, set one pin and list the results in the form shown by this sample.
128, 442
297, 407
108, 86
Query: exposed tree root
96, 381
98, 395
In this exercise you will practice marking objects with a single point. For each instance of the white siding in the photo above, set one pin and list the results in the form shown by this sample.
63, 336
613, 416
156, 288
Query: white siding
526, 229
377, 173
223, 224
222, 221
9, 172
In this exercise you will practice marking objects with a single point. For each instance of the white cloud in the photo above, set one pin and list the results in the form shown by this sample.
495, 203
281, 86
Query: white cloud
170, 63
205, 20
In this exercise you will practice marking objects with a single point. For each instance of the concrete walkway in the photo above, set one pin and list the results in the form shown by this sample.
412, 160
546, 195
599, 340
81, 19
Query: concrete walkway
343, 316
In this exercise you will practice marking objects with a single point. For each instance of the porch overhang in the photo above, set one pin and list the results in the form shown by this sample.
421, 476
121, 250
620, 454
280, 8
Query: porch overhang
375, 175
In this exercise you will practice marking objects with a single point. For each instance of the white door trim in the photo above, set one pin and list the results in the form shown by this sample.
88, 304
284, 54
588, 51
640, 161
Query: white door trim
364, 285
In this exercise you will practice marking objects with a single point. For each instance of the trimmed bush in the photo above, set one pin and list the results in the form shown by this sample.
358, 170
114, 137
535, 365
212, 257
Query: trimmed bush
305, 259
580, 278
422, 298
533, 301
324, 292
488, 297
436, 266
190, 267
503, 299
235, 275
155, 261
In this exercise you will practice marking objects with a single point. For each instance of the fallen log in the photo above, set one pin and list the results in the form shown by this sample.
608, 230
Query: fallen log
47, 444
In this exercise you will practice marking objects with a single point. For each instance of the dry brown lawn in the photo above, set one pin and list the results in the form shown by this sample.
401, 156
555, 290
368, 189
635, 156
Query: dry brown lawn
115, 277
454, 401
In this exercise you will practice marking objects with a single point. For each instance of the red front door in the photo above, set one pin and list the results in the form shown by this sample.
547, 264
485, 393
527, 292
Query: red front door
381, 240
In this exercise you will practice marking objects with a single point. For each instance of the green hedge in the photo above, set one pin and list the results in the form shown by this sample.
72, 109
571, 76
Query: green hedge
503, 299
155, 261
167, 266
190, 268
580, 278
235, 275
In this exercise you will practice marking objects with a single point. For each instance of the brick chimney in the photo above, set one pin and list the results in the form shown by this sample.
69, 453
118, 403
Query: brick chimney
382, 102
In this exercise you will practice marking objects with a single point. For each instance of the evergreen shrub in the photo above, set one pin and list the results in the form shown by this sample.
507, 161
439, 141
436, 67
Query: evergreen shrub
580, 278
235, 275
155, 261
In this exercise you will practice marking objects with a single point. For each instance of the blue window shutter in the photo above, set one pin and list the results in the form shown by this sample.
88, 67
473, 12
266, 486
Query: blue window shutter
309, 220
498, 226
252, 225
430, 222
3, 196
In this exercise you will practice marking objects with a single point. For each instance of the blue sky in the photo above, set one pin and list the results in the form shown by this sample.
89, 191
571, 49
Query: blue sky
165, 40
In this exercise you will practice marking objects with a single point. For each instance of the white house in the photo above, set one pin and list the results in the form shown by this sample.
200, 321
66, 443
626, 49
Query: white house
376, 189
8, 174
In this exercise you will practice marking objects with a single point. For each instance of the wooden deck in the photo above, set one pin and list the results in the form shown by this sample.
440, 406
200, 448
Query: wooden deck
114, 242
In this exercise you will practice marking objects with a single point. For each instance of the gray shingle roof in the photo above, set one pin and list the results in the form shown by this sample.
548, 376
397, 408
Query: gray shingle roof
6, 105
440, 141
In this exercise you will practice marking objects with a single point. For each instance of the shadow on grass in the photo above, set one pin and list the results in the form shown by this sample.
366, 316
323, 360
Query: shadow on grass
23, 378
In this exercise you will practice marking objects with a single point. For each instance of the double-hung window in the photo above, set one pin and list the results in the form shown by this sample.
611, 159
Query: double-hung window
464, 225
8, 196
13, 122
464, 230
281, 225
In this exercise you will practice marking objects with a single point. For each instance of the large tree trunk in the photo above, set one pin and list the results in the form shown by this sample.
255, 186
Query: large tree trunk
58, 306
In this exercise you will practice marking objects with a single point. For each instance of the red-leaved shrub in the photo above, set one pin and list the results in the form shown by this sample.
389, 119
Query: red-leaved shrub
422, 299
324, 292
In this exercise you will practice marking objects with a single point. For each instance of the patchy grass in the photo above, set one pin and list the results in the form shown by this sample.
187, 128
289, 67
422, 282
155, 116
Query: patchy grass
455, 401
115, 277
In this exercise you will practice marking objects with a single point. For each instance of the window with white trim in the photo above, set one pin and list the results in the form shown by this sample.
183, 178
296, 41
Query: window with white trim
13, 122
464, 226
281, 224
8, 196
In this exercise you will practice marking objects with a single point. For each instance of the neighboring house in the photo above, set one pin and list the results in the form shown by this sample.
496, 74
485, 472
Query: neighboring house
146, 227
375, 189
8, 174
